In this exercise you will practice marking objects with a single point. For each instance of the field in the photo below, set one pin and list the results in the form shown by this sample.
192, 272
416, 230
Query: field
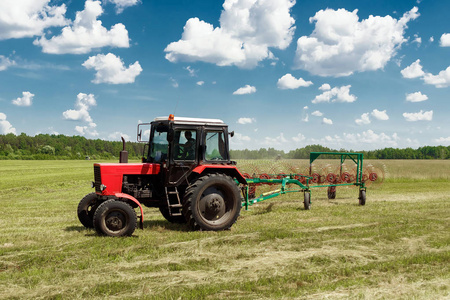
397, 246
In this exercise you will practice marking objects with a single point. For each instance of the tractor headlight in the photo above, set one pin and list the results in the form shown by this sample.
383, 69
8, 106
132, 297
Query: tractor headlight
102, 187
92, 184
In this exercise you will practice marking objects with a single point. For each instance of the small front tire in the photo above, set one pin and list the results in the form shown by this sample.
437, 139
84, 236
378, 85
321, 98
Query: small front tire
115, 218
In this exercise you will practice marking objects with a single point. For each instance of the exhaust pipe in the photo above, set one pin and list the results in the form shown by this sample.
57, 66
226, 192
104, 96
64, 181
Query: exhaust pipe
123, 158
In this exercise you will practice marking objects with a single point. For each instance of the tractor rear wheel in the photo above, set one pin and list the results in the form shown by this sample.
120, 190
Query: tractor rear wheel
307, 201
115, 218
172, 219
362, 197
213, 202
86, 210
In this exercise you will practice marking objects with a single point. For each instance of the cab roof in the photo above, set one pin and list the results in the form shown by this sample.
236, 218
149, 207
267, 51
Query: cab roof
192, 121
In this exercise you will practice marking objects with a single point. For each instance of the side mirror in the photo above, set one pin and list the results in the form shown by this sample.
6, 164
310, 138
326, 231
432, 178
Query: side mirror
231, 133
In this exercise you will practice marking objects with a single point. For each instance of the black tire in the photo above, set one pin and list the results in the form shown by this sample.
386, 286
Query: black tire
213, 202
172, 219
115, 218
307, 201
86, 210
331, 192
362, 197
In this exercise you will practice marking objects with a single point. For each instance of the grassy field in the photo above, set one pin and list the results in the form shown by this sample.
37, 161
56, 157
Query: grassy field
397, 246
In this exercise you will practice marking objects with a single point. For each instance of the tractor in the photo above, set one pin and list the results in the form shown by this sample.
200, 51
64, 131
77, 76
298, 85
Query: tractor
186, 172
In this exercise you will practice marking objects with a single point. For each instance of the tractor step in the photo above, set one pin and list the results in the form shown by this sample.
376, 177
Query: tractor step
173, 201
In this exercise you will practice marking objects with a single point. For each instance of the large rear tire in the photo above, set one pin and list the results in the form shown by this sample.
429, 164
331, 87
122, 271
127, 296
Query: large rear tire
213, 202
115, 218
86, 209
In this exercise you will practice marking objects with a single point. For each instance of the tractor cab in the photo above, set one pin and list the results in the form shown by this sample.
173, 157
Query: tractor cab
181, 144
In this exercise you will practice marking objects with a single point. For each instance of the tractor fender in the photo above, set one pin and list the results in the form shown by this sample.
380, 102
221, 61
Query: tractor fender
231, 171
134, 202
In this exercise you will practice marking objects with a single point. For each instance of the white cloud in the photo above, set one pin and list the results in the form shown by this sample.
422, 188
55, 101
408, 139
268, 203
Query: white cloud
122, 4
28, 18
299, 138
25, 100
117, 135
416, 97
111, 69
325, 87
86, 130
248, 28
445, 40
380, 115
247, 89
431, 39
239, 139
83, 104
443, 140
174, 82
441, 80
290, 82
246, 120
364, 120
86, 33
327, 121
200, 83
413, 71
336, 94
341, 44
191, 71
419, 116
417, 40
276, 141
5, 63
317, 113
5, 126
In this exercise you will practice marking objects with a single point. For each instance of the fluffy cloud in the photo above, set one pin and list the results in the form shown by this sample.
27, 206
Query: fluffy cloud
86, 33
380, 115
111, 69
416, 97
122, 4
413, 71
83, 104
317, 113
246, 120
25, 100
445, 40
341, 44
327, 121
5, 63
443, 140
299, 138
27, 18
200, 83
248, 89
419, 116
336, 94
248, 28
276, 141
440, 80
117, 135
5, 126
290, 82
377, 114
364, 120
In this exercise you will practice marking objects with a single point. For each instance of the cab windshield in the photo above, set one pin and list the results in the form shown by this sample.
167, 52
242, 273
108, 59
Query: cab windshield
158, 143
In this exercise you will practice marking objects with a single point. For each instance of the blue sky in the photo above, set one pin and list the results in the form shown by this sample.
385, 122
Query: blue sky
356, 75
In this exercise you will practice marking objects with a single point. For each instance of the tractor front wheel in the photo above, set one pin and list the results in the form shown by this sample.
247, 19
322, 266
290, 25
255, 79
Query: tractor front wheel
86, 210
115, 218
213, 202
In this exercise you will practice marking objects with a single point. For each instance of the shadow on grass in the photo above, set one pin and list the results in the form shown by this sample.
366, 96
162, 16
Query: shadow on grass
75, 228
152, 224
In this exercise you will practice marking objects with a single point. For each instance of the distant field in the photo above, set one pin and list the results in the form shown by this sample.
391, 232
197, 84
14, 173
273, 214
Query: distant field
397, 246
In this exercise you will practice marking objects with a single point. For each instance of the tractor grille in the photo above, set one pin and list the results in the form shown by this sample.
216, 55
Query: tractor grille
97, 178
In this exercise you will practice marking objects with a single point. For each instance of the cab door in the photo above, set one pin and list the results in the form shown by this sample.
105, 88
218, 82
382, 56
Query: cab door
184, 154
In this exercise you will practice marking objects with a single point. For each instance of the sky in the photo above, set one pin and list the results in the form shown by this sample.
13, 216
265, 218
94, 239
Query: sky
350, 74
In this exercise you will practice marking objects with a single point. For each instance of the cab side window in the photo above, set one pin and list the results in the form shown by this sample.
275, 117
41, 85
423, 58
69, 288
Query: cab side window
185, 144
215, 146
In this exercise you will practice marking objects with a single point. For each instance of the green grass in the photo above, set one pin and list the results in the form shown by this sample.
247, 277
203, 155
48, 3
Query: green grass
395, 247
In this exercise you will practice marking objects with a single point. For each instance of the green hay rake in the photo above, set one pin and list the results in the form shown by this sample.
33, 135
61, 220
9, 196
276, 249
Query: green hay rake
297, 182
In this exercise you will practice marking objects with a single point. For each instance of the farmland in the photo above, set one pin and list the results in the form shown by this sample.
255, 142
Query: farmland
397, 246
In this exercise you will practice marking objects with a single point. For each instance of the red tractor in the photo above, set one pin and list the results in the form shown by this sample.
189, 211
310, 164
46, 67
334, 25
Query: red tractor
186, 171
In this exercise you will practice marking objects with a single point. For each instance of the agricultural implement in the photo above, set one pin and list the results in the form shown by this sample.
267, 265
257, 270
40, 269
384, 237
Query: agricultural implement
186, 172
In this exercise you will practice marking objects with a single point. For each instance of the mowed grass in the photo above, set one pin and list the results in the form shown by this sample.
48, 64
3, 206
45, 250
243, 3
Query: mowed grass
397, 246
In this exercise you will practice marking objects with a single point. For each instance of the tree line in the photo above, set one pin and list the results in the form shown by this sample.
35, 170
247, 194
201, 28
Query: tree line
46, 146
